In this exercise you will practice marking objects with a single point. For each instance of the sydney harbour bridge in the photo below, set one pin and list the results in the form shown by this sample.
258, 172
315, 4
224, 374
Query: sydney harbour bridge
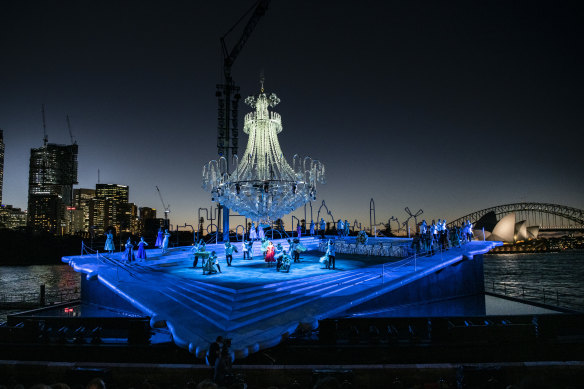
549, 217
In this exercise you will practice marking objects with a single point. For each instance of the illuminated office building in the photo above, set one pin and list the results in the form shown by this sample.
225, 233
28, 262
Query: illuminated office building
83, 204
52, 174
111, 208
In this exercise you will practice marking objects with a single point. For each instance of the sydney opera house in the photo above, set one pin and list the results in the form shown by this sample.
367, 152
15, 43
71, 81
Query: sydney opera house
507, 229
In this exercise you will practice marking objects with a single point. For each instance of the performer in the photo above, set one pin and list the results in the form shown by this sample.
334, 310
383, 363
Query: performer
285, 262
229, 249
322, 227
270, 253
109, 242
340, 227
165, 242
261, 233
141, 249
129, 252
253, 234
312, 228
199, 250
469, 230
247, 249
347, 228
278, 251
292, 248
265, 243
299, 229
423, 236
159, 238
331, 254
212, 264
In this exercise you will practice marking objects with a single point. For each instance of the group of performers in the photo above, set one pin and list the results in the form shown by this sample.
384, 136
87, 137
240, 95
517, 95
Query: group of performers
129, 251
130, 254
438, 236
210, 261
343, 228
256, 233
271, 254
162, 240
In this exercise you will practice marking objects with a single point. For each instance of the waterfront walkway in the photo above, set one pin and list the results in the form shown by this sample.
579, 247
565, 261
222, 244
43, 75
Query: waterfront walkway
251, 303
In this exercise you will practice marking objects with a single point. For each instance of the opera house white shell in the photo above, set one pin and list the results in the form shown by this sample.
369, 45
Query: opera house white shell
509, 231
504, 230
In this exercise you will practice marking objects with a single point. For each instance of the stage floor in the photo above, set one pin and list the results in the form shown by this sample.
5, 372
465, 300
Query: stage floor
250, 302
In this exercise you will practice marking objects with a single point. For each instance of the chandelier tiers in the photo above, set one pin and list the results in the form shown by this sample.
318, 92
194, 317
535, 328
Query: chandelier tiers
262, 185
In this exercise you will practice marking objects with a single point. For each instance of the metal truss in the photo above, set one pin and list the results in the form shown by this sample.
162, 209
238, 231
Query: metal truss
574, 214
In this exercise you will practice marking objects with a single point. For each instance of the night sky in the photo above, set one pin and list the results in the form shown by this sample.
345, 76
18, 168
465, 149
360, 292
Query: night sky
450, 107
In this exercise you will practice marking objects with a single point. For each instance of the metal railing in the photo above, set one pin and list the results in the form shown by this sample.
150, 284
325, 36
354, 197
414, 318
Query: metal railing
539, 295
38, 299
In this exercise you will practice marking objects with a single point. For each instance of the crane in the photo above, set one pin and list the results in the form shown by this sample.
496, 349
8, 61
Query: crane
165, 207
73, 141
45, 136
228, 94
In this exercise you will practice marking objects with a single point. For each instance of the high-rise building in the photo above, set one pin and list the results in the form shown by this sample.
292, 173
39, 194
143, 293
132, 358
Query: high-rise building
83, 202
147, 213
110, 207
52, 174
148, 225
12, 218
1, 163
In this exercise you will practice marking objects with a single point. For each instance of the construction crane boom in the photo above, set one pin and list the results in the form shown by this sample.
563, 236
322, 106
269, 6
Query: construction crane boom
45, 136
70, 132
228, 94
165, 207
229, 57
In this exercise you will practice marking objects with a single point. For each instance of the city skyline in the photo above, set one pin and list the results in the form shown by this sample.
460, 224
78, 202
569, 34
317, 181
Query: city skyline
448, 109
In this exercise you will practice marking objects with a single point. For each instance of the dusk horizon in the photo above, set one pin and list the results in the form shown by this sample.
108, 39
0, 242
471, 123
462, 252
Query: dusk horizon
446, 109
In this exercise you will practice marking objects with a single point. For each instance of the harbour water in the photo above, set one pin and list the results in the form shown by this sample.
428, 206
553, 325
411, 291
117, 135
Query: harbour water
558, 275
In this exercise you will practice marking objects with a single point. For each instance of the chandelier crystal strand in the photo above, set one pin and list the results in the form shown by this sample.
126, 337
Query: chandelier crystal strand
262, 185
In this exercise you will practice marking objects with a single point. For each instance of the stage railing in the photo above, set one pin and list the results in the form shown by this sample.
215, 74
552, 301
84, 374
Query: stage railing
85, 250
539, 295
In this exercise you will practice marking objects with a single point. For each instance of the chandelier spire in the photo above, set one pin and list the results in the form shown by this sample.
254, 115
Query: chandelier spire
262, 185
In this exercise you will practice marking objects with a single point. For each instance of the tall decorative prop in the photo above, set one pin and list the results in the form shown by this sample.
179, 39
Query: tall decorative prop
262, 185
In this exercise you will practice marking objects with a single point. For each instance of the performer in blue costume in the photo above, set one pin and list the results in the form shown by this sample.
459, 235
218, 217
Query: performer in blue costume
165, 242
200, 250
253, 234
141, 254
330, 253
322, 226
129, 252
247, 249
159, 238
229, 249
312, 228
261, 233
109, 242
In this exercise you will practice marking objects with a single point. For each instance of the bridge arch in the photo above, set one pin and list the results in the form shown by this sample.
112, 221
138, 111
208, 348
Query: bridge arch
574, 215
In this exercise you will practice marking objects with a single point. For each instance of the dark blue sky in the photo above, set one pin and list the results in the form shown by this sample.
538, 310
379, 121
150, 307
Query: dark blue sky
446, 106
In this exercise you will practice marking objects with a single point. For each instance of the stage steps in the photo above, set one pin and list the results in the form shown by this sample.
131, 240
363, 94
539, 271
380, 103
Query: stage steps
230, 309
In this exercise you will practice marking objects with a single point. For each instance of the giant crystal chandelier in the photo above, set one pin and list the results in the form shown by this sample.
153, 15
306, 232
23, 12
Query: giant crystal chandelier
262, 185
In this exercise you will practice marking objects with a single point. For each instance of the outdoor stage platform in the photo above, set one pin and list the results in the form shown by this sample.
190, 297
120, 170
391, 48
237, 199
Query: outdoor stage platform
257, 307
